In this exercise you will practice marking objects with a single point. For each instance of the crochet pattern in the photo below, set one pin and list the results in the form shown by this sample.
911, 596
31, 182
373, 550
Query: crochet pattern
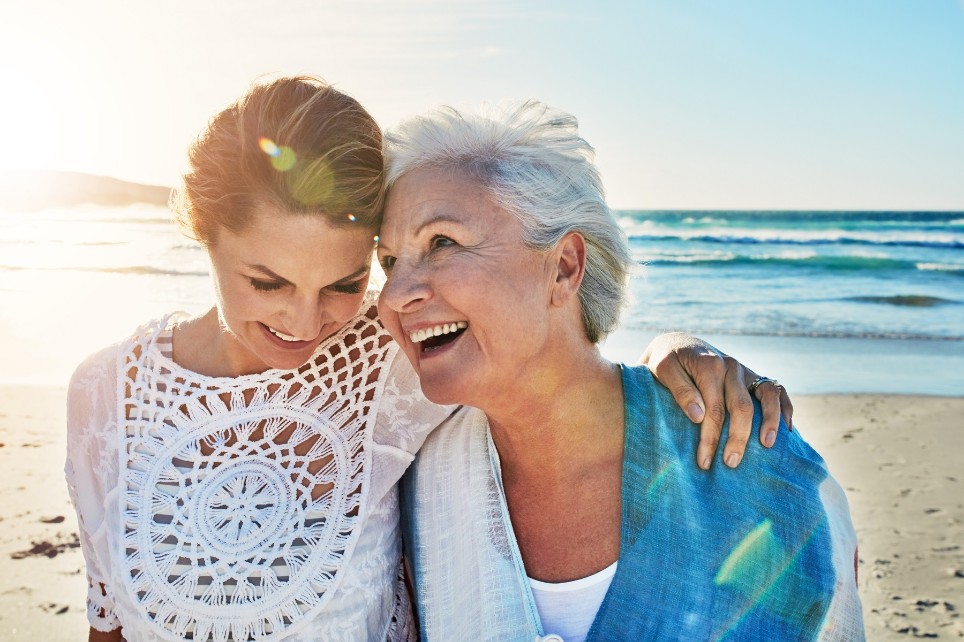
242, 496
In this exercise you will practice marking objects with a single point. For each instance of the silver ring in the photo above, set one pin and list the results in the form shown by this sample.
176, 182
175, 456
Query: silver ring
759, 381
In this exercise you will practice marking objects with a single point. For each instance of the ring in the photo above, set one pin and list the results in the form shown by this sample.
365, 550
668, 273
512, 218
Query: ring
759, 381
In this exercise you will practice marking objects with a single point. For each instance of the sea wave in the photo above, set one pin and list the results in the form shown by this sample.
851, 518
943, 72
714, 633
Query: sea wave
905, 300
816, 334
797, 218
123, 269
941, 267
790, 237
802, 260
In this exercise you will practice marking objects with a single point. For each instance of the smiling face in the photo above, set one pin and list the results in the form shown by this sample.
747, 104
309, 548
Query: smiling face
466, 299
286, 283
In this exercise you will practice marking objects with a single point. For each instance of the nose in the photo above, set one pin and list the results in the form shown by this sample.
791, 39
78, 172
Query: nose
304, 316
406, 289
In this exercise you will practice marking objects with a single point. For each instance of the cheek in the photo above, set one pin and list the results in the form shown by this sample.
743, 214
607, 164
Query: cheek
389, 319
237, 300
345, 307
392, 322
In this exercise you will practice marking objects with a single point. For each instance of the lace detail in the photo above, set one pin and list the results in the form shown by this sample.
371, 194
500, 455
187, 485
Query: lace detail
241, 497
89, 451
100, 605
402, 627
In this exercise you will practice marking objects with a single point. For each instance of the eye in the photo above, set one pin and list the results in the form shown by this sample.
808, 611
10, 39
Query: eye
387, 263
439, 241
264, 286
349, 288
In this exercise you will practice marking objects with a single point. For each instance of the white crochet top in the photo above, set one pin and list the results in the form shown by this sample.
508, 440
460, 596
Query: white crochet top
261, 507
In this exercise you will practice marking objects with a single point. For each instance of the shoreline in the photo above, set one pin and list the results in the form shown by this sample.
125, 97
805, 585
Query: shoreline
897, 457
830, 365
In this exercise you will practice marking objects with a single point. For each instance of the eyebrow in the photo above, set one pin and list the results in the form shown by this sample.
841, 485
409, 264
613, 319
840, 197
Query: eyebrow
438, 218
268, 272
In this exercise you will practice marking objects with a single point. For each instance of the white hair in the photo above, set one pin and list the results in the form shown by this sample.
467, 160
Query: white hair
533, 162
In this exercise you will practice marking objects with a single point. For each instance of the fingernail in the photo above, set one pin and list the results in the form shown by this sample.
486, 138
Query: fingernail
695, 412
733, 460
790, 424
705, 465
770, 438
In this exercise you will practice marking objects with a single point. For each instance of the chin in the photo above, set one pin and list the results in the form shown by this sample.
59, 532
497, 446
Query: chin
442, 393
287, 364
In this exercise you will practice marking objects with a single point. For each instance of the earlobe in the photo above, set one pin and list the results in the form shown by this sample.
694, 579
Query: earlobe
570, 267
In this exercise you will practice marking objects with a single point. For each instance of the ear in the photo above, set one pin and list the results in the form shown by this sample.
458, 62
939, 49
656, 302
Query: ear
570, 267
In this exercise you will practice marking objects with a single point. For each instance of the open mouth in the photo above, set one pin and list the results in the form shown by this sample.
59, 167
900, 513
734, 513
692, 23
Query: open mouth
429, 339
282, 335
285, 340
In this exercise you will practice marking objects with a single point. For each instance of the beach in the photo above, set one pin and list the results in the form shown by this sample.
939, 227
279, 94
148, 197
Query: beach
896, 456
858, 314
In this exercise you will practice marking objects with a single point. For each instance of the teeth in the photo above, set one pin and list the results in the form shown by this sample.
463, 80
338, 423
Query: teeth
282, 335
421, 335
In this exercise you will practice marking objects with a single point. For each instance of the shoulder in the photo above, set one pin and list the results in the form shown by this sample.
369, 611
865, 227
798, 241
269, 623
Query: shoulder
95, 367
655, 413
462, 428
98, 372
405, 415
108, 355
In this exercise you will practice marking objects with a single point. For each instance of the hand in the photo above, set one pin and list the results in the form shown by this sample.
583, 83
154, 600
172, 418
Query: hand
706, 384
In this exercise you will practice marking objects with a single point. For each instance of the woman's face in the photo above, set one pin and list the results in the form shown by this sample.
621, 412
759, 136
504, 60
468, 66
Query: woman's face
465, 298
286, 283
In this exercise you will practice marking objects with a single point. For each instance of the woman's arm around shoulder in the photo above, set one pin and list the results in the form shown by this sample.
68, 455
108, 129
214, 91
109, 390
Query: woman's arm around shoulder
708, 385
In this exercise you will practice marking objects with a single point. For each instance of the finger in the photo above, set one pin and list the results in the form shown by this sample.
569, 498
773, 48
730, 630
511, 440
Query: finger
710, 384
740, 406
786, 408
672, 375
769, 395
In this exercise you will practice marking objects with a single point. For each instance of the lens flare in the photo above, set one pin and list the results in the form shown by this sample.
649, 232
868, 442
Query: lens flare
314, 184
351, 217
283, 158
268, 147
755, 562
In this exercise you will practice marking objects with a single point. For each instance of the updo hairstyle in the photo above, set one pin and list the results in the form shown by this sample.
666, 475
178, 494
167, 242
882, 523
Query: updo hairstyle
294, 144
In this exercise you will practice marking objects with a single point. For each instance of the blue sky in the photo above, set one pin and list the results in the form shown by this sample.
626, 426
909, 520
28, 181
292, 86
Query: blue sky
825, 104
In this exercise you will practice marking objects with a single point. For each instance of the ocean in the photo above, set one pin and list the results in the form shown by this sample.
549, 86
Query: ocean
822, 287
893, 275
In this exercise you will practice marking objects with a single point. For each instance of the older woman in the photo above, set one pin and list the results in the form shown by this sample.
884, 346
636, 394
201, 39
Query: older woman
562, 505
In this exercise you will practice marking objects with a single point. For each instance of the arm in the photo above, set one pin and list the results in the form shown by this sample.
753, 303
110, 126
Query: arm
99, 636
91, 397
707, 384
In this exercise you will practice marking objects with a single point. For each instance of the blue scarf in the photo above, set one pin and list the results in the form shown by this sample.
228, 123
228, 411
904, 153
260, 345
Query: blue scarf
763, 552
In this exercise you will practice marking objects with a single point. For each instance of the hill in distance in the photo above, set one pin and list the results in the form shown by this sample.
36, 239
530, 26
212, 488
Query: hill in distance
37, 189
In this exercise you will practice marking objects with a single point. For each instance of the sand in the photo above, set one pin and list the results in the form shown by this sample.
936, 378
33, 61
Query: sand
901, 460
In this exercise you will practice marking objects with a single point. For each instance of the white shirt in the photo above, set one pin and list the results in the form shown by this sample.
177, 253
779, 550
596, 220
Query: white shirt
567, 609
257, 506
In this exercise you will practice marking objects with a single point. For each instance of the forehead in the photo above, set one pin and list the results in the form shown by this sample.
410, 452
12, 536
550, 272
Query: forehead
427, 194
278, 237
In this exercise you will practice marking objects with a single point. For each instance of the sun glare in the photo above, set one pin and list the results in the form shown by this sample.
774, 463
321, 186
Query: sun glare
32, 123
70, 97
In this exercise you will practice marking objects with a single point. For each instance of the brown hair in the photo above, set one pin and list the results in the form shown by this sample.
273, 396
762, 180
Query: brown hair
295, 144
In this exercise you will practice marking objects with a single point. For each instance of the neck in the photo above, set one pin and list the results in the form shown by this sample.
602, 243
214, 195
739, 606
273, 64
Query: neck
203, 346
566, 419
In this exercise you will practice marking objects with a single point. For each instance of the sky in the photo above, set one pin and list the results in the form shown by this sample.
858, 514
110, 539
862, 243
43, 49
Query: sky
743, 104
